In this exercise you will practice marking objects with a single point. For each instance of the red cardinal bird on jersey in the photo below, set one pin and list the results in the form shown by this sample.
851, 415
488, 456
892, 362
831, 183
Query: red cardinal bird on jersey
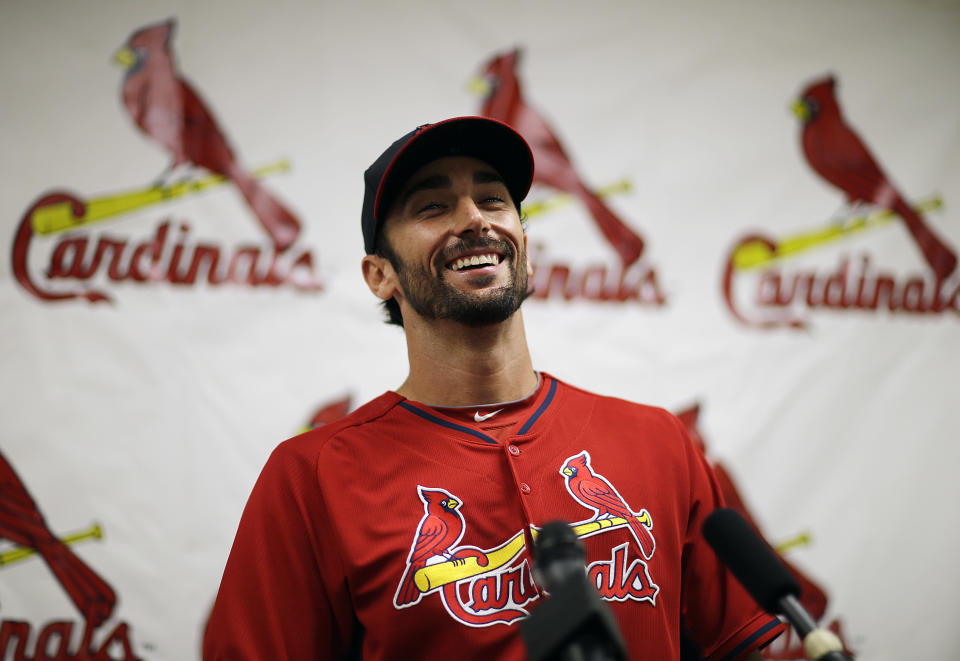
440, 529
22, 523
552, 165
836, 153
168, 110
594, 492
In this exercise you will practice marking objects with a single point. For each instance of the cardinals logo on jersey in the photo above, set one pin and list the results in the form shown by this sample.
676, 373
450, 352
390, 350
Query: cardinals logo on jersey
595, 492
481, 587
838, 155
439, 532
615, 579
478, 587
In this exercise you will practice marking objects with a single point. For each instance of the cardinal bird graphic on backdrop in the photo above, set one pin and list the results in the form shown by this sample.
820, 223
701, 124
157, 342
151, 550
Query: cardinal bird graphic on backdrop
22, 523
593, 491
439, 531
836, 153
167, 109
552, 165
330, 412
812, 596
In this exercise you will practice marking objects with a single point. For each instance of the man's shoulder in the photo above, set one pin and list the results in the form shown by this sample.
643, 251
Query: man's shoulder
311, 442
613, 404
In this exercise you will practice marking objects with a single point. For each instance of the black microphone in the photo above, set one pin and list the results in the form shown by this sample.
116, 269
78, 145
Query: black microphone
559, 556
573, 624
767, 580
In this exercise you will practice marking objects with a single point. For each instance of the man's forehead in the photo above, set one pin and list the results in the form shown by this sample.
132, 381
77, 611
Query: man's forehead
438, 173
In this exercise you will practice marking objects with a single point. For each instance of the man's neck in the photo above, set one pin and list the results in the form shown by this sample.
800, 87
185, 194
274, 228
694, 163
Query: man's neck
456, 365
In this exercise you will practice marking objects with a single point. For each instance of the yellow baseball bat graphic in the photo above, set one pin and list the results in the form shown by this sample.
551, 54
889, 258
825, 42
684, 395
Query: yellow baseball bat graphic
433, 576
753, 254
59, 217
563, 199
438, 575
20, 553
801, 539
584, 529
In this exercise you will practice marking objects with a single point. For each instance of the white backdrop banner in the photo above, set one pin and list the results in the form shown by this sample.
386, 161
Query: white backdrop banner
752, 219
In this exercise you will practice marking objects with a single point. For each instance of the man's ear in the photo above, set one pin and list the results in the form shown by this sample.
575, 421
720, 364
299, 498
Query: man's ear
526, 252
379, 275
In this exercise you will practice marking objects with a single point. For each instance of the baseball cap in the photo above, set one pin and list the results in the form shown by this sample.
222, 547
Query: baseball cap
483, 138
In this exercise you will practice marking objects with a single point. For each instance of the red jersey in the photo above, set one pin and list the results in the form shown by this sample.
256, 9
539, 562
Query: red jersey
415, 524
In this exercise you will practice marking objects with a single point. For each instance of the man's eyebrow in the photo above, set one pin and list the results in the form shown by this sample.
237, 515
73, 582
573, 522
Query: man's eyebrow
438, 181
432, 182
487, 177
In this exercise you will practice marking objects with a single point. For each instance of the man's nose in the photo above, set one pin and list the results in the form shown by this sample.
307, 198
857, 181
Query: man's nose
470, 218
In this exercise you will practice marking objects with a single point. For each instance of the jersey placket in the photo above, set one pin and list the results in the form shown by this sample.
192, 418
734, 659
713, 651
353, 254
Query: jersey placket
511, 446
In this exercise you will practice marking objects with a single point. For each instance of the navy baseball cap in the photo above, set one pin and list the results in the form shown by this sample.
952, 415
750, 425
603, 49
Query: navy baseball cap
487, 139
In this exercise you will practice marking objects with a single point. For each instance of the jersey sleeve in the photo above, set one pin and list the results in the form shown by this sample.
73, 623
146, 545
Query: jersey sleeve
720, 616
283, 594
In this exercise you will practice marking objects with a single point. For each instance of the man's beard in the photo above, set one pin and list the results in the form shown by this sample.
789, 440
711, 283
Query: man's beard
432, 297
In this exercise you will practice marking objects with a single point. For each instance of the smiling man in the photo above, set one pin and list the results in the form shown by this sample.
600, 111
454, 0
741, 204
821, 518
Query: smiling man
479, 279
404, 530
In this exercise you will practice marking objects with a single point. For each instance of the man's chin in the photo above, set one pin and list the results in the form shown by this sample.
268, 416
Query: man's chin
481, 308
478, 299
480, 317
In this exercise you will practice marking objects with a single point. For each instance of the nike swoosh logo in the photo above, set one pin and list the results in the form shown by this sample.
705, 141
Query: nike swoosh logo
482, 418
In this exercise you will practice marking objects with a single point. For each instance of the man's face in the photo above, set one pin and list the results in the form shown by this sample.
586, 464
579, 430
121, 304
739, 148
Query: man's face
458, 248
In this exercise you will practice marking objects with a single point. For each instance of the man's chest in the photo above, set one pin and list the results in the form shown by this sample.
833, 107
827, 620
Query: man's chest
442, 531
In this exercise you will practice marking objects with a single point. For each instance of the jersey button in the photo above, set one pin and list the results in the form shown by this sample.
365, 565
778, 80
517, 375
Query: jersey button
524, 487
513, 449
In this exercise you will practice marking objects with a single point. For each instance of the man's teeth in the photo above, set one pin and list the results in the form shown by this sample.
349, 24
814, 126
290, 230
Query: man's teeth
474, 260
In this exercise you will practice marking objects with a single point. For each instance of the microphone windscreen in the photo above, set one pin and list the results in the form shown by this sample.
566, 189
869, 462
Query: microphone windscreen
749, 558
558, 554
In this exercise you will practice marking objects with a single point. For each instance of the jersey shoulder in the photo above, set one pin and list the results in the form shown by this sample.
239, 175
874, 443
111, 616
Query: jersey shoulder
312, 442
608, 404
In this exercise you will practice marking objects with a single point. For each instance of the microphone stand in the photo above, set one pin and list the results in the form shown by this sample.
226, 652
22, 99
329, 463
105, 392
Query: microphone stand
767, 580
818, 644
573, 624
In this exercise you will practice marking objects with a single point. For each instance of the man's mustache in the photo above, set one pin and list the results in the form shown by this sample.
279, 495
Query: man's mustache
501, 246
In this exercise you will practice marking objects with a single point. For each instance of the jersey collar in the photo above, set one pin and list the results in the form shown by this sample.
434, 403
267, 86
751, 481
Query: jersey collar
544, 395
